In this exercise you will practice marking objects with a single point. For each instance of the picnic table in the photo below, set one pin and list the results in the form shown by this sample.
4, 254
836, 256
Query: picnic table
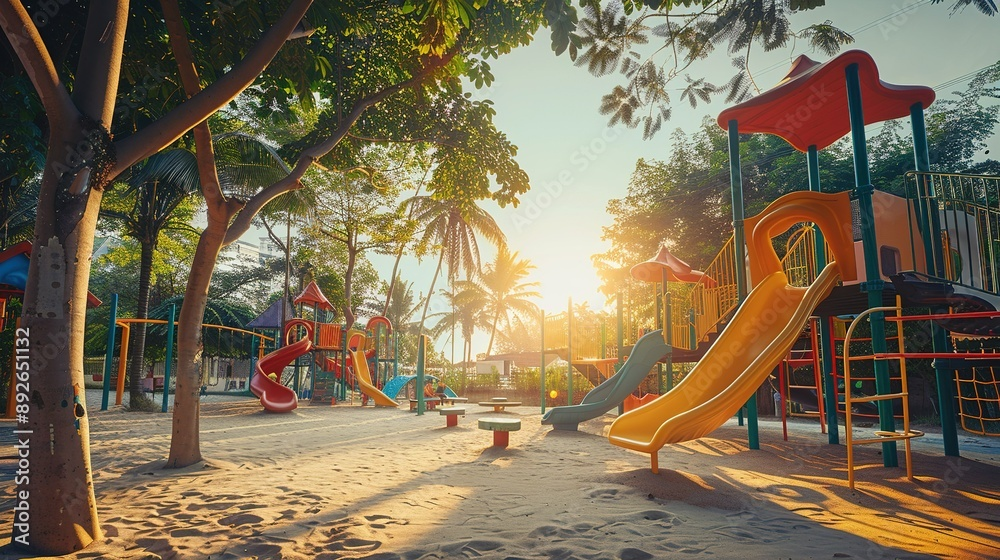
499, 403
501, 428
452, 413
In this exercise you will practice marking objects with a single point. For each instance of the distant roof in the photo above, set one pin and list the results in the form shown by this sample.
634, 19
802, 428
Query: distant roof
809, 105
271, 317
312, 295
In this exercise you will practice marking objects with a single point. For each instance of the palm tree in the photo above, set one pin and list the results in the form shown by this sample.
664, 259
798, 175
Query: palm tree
402, 305
144, 208
453, 225
464, 313
501, 290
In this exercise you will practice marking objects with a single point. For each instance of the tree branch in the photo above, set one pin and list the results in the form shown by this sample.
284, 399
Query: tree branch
185, 116
99, 67
242, 222
274, 237
24, 38
343, 238
436, 141
204, 152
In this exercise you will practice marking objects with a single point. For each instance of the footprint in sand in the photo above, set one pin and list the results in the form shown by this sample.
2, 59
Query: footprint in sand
240, 519
352, 544
633, 554
603, 493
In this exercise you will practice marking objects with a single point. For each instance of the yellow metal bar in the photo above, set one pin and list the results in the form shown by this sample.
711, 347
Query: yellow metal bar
122, 362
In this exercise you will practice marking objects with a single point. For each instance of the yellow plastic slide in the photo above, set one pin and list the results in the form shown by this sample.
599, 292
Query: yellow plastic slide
758, 337
364, 378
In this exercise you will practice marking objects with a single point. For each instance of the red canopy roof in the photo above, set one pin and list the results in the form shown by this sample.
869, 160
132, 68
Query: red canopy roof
313, 296
809, 106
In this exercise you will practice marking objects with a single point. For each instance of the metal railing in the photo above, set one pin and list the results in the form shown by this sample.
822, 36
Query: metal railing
965, 211
712, 298
799, 262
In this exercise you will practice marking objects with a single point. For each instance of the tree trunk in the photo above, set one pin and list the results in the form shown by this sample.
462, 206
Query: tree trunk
136, 398
399, 254
493, 332
427, 302
185, 446
352, 257
54, 433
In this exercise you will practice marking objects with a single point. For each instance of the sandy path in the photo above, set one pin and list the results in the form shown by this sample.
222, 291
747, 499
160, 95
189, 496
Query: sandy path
346, 482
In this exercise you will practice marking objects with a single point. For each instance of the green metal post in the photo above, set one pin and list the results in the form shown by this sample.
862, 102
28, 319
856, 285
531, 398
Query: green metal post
659, 323
569, 352
930, 235
395, 354
255, 343
541, 366
736, 187
419, 390
939, 338
621, 328
170, 355
668, 337
739, 250
109, 355
823, 334
343, 366
621, 341
692, 333
604, 339
873, 281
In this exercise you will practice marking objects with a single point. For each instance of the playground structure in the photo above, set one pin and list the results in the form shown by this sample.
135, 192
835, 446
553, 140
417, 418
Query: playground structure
849, 256
237, 349
760, 334
589, 344
13, 279
649, 350
332, 347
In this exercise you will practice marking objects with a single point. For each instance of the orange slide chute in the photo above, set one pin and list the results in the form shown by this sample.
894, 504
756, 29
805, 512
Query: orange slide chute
362, 374
274, 396
759, 336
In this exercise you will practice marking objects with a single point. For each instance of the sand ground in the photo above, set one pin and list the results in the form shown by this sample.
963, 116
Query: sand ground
350, 482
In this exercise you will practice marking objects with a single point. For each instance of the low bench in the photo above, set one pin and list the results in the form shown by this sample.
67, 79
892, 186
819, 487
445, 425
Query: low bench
501, 428
452, 413
498, 405
429, 401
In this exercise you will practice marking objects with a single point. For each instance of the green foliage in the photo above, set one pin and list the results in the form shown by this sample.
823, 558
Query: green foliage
612, 39
22, 155
246, 283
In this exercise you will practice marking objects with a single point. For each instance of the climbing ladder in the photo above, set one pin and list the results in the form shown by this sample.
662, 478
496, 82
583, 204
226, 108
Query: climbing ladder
902, 395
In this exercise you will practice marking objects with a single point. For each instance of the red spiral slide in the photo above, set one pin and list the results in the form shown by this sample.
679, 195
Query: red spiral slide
274, 396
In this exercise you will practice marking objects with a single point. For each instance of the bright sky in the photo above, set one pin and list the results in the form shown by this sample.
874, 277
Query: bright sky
548, 108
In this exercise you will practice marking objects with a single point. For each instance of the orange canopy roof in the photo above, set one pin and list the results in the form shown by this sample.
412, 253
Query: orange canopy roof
313, 296
676, 270
809, 106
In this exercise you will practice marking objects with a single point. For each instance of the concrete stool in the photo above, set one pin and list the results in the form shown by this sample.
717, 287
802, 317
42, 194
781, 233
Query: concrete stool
501, 428
452, 413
